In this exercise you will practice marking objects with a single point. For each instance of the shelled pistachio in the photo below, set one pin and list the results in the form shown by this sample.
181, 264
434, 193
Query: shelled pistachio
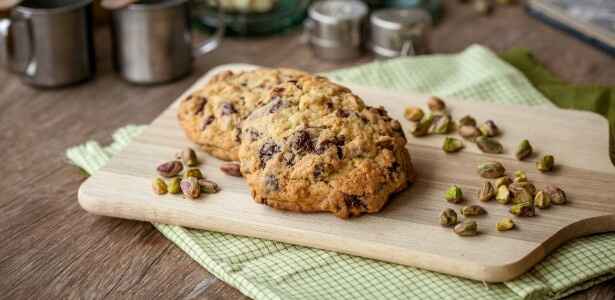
448, 217
469, 132
525, 209
453, 194
542, 200
442, 124
505, 224
545, 164
436, 104
170, 168
190, 187
466, 228
467, 121
504, 180
488, 145
486, 192
491, 169
413, 113
159, 186
503, 195
522, 196
520, 176
523, 150
520, 186
174, 185
188, 156
196, 173
472, 211
489, 129
452, 145
208, 187
556, 194
421, 128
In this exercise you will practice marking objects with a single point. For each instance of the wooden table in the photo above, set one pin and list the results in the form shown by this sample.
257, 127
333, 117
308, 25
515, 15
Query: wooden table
50, 247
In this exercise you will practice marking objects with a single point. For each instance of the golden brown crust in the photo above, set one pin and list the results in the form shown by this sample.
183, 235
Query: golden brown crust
211, 116
314, 146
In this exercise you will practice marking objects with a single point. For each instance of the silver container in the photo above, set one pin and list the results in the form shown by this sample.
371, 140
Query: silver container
49, 43
399, 32
334, 28
152, 40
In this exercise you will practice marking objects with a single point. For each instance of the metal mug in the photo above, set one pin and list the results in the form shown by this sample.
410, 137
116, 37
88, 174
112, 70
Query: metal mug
152, 40
49, 43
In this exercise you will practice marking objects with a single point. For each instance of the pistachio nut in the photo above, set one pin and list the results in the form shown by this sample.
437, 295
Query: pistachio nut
453, 194
208, 187
505, 224
170, 168
523, 150
520, 186
489, 129
413, 113
188, 156
525, 209
448, 217
174, 185
472, 211
467, 121
556, 194
421, 128
452, 145
436, 104
504, 180
522, 196
503, 195
194, 173
486, 192
545, 164
190, 187
159, 186
491, 169
520, 176
469, 132
231, 169
466, 228
441, 124
542, 200
488, 145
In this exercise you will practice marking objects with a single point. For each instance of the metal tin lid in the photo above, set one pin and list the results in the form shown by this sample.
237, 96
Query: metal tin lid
396, 19
399, 32
334, 11
334, 29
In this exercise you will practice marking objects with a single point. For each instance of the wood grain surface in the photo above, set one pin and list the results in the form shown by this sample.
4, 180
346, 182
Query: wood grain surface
52, 248
409, 225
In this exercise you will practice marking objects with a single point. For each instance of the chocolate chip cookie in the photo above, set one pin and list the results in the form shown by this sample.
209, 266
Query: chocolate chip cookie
211, 115
314, 146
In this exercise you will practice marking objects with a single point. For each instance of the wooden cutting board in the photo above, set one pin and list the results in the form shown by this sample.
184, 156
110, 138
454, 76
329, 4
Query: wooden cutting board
407, 230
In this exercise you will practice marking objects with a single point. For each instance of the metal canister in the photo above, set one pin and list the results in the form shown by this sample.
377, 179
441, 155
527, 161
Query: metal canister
335, 28
399, 32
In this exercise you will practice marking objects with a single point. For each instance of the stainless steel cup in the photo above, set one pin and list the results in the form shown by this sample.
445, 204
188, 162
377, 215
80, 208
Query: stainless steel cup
152, 40
49, 43
334, 28
398, 32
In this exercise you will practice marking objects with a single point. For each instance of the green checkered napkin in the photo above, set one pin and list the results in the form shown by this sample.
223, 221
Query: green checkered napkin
265, 269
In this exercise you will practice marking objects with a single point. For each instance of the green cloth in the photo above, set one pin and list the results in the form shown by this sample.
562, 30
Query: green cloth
599, 99
264, 269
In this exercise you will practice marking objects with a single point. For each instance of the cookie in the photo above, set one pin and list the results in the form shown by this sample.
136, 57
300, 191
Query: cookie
316, 147
211, 115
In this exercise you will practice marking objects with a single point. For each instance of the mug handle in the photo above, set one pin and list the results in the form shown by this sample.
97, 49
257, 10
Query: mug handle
214, 41
5, 28
28, 66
